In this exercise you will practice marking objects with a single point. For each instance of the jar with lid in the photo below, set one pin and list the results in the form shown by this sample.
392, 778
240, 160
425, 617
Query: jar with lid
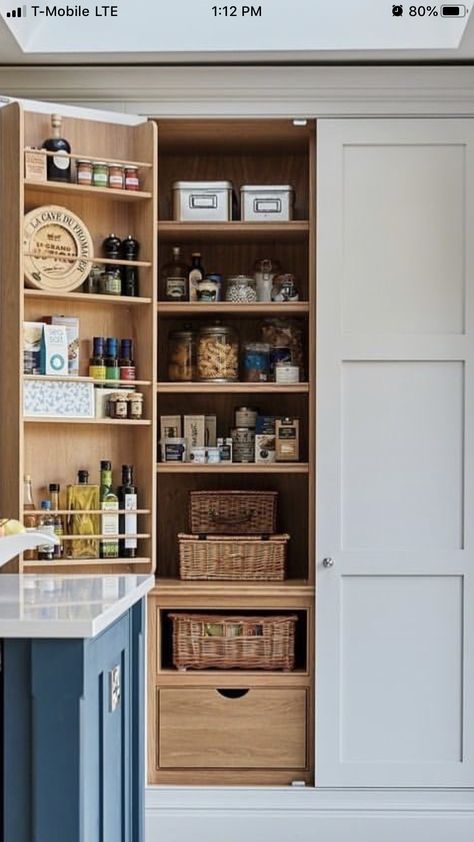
285, 337
241, 289
116, 176
256, 362
285, 288
182, 355
135, 405
84, 172
100, 174
118, 405
209, 288
132, 180
265, 270
217, 354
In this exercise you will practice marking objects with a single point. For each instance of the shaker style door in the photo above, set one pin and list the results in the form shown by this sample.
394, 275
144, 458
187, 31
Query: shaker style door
395, 457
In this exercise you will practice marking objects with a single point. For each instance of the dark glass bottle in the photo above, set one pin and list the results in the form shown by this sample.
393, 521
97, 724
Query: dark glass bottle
129, 251
97, 368
58, 166
174, 278
109, 546
127, 494
112, 371
196, 274
126, 361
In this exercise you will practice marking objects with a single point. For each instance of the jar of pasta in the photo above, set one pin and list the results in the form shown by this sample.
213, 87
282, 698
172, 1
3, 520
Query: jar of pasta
182, 355
217, 354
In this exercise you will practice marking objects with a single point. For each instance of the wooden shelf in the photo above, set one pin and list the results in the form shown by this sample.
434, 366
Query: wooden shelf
233, 468
237, 388
181, 587
274, 308
27, 512
83, 562
100, 537
233, 232
78, 156
58, 378
120, 422
101, 261
71, 189
88, 298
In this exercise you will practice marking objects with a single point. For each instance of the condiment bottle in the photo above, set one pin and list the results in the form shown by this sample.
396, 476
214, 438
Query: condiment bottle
54, 489
58, 165
46, 525
29, 520
112, 371
127, 494
196, 274
126, 363
129, 251
97, 368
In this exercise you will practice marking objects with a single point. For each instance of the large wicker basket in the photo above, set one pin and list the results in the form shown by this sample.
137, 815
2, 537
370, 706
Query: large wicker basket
230, 557
203, 641
233, 512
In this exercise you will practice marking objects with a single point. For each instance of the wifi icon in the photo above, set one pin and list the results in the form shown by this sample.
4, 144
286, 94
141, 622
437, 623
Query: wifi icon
19, 12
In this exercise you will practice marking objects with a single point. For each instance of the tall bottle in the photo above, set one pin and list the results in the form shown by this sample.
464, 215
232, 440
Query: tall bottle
128, 521
97, 367
196, 274
174, 278
46, 525
54, 489
58, 166
129, 251
84, 498
109, 503
29, 520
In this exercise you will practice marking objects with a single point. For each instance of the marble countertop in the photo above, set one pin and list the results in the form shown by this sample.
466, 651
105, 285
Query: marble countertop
54, 606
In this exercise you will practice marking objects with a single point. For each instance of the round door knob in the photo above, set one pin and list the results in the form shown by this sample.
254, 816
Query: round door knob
328, 562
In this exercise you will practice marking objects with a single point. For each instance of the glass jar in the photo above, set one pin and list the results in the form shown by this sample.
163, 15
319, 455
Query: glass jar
285, 288
116, 176
135, 405
111, 281
118, 405
256, 362
132, 181
285, 337
100, 174
209, 288
265, 270
217, 354
241, 290
84, 172
182, 355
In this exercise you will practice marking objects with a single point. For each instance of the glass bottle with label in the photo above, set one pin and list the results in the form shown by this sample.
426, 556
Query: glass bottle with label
128, 521
196, 274
82, 501
29, 519
54, 489
97, 367
58, 166
109, 503
174, 278
46, 525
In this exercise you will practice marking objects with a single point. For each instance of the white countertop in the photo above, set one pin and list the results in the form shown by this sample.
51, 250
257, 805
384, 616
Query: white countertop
53, 606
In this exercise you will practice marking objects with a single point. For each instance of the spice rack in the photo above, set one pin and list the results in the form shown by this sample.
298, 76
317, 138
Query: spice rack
263, 152
53, 449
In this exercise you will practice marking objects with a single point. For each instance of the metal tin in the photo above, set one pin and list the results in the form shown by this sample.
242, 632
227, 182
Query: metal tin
205, 201
266, 203
245, 416
285, 373
198, 455
213, 455
243, 444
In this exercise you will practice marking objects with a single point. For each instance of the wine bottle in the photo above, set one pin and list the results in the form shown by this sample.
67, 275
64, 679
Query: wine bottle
58, 166
128, 522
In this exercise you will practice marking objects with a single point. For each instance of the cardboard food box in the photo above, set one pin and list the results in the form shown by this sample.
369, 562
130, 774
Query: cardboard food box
35, 165
170, 428
210, 433
194, 431
32, 335
54, 350
71, 323
265, 438
287, 434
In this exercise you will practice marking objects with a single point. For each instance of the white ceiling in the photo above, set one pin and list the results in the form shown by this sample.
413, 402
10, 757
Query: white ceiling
11, 54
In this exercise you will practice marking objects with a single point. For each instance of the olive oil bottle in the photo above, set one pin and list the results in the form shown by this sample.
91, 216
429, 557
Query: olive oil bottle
83, 498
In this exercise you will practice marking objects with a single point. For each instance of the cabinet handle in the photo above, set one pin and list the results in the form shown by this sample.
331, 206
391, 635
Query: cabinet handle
231, 693
328, 562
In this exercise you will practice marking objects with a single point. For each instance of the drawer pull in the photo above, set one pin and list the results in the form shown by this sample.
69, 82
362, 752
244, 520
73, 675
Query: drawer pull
232, 693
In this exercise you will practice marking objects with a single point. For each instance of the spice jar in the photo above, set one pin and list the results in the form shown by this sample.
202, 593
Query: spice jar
118, 405
116, 176
256, 362
111, 281
100, 174
84, 172
182, 355
217, 354
241, 289
135, 405
132, 181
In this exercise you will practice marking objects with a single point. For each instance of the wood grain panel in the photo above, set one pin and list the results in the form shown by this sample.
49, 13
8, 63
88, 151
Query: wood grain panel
265, 728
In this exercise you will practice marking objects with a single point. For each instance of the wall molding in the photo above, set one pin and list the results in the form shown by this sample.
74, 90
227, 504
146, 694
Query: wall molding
252, 91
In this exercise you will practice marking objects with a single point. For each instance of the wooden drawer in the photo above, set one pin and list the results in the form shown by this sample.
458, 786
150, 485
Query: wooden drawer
260, 729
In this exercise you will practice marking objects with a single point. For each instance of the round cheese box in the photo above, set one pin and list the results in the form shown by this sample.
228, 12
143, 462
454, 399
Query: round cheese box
58, 249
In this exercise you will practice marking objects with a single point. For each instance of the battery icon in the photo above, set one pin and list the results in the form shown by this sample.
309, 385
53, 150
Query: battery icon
453, 11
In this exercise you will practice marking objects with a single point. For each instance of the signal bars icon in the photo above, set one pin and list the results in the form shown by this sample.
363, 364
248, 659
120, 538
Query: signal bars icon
19, 12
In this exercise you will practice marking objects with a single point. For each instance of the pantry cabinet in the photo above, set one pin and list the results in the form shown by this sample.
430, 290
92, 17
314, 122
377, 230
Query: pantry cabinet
379, 506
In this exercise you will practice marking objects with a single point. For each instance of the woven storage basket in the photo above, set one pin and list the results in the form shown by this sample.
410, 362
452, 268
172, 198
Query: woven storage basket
233, 512
201, 641
232, 557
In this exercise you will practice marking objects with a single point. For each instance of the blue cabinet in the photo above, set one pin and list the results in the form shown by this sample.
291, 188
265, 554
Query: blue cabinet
73, 736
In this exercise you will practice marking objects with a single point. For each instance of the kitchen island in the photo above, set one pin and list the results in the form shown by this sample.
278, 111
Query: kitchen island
73, 707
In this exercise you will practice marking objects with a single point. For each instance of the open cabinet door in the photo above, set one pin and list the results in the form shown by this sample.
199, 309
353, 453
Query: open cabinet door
395, 454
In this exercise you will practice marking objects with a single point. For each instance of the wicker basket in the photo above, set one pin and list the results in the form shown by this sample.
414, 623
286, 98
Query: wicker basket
201, 641
232, 557
233, 512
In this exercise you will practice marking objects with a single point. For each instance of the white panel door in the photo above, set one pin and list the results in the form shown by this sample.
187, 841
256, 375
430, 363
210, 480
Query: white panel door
395, 454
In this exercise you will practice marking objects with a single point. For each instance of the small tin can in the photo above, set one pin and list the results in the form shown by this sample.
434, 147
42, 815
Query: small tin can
213, 455
245, 416
116, 176
132, 182
243, 444
100, 174
118, 405
135, 405
84, 172
198, 455
287, 373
